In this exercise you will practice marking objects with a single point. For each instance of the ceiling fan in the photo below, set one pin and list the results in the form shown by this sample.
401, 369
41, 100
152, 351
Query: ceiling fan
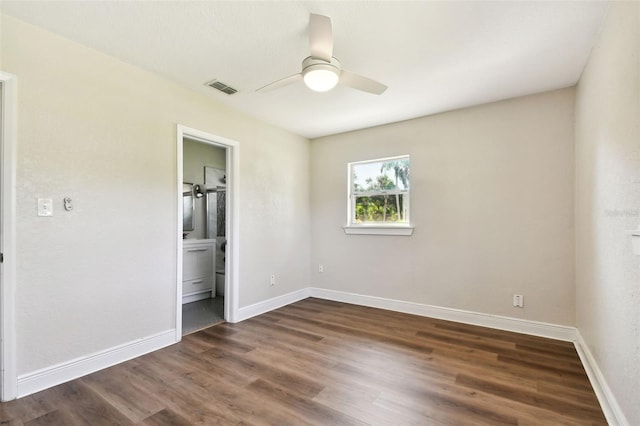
321, 71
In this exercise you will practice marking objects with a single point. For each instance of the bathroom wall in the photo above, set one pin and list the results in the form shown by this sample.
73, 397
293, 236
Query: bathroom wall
197, 155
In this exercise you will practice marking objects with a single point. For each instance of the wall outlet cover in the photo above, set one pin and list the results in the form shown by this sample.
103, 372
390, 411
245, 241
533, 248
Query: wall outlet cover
518, 300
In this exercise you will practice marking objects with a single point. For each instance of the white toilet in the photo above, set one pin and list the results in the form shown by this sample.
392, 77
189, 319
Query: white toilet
221, 245
220, 283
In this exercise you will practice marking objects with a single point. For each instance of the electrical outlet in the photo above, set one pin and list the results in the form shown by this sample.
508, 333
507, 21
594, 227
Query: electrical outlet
321, 268
518, 301
272, 281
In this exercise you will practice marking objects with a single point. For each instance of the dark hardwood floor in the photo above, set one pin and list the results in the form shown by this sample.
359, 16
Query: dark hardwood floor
326, 363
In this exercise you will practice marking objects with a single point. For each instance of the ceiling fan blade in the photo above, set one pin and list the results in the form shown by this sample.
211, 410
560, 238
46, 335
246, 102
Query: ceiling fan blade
280, 83
320, 37
359, 82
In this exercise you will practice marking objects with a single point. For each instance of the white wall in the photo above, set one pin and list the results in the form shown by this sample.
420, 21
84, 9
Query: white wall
491, 201
103, 133
608, 204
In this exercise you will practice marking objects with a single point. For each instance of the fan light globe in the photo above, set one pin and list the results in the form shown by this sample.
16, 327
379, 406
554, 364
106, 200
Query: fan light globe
320, 78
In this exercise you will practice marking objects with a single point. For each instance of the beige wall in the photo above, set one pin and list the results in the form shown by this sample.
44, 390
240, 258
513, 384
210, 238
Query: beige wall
195, 157
103, 133
491, 201
608, 205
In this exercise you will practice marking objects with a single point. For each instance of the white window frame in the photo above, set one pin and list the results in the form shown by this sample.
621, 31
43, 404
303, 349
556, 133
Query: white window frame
376, 228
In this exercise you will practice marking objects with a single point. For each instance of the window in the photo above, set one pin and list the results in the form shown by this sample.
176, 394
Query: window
379, 197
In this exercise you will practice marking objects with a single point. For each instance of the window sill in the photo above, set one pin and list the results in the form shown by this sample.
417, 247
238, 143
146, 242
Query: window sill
406, 230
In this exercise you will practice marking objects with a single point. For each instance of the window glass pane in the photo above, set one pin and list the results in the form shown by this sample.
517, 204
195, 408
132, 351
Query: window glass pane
379, 191
381, 208
381, 175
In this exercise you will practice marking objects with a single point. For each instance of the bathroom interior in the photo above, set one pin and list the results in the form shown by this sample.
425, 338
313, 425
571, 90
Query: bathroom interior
204, 243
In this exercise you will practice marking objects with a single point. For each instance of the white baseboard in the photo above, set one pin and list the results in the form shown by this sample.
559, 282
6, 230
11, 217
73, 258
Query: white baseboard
552, 331
271, 304
51, 376
608, 402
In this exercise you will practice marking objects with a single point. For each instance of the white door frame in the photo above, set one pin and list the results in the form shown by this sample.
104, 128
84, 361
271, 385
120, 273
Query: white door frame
231, 277
8, 141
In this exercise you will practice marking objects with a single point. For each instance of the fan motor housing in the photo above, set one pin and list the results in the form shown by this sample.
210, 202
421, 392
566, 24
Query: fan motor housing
311, 63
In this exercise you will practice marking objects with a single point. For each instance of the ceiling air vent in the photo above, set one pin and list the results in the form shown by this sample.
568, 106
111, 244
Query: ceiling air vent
218, 85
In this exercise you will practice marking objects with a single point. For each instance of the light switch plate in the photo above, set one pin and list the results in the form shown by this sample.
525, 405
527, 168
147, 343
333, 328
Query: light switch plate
635, 242
45, 207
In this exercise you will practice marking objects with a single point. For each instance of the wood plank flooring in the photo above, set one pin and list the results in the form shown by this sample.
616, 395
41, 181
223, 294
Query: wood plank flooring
326, 363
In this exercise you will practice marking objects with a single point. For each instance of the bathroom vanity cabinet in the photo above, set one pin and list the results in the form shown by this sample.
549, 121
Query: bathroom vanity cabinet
198, 269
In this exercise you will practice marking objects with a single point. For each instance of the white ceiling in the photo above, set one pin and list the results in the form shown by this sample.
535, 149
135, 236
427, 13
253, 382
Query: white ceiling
434, 56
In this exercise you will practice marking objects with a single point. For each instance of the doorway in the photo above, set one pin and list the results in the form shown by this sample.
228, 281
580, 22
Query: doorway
207, 230
8, 376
